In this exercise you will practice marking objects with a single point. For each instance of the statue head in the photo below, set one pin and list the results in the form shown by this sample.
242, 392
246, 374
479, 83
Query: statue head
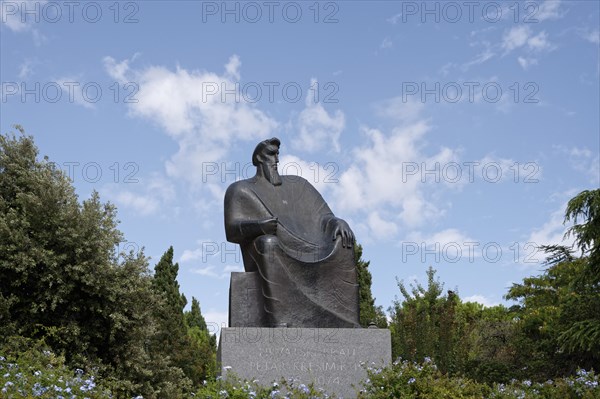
266, 157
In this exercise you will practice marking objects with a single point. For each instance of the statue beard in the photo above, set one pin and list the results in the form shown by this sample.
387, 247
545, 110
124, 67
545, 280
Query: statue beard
272, 174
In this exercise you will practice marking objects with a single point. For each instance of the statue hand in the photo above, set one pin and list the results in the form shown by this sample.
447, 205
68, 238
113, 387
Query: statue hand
268, 226
343, 230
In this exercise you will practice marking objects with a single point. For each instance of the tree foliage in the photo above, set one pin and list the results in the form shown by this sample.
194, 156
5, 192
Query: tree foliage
560, 309
191, 352
369, 312
63, 281
427, 324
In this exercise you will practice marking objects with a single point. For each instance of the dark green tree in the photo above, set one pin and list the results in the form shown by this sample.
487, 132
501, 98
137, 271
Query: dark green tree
559, 310
428, 324
62, 279
166, 285
585, 206
413, 334
173, 337
194, 317
204, 343
369, 312
490, 346
582, 310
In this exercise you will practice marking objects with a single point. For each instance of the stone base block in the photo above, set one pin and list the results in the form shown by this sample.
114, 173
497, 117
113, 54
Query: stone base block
331, 358
245, 300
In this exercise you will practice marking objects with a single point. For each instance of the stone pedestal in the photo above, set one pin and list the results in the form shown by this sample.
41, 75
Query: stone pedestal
331, 358
245, 300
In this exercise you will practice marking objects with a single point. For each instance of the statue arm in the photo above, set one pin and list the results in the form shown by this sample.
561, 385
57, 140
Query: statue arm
248, 230
240, 226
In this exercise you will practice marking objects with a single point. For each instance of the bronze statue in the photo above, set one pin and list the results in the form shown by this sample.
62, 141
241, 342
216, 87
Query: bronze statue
300, 254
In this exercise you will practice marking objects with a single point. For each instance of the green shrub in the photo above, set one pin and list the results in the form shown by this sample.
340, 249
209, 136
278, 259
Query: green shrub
235, 388
38, 372
407, 380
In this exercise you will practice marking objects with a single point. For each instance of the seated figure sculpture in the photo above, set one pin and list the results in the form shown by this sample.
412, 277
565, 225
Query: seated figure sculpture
302, 255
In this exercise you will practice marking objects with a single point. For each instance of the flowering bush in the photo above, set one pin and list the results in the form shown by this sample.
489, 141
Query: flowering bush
42, 374
235, 388
584, 385
39, 373
404, 379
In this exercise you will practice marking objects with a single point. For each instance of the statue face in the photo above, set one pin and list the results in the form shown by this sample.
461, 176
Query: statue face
268, 162
271, 155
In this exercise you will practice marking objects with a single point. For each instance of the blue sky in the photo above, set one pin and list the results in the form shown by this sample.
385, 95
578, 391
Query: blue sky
448, 134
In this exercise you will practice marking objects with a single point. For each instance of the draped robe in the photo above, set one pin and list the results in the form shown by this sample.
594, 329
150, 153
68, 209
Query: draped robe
308, 279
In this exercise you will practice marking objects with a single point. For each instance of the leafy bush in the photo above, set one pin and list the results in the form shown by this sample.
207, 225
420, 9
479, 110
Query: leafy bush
40, 373
405, 379
235, 388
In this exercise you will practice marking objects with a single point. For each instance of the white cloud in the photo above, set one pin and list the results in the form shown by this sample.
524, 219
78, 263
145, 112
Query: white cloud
593, 36
522, 36
479, 59
118, 70
493, 169
548, 9
380, 228
446, 68
25, 69
142, 204
550, 233
416, 210
20, 17
394, 18
539, 42
377, 179
451, 242
580, 152
76, 95
208, 271
399, 109
321, 175
386, 43
206, 248
192, 108
318, 129
145, 199
526, 62
582, 160
213, 272
515, 37
215, 320
233, 67
191, 255
448, 236
485, 301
